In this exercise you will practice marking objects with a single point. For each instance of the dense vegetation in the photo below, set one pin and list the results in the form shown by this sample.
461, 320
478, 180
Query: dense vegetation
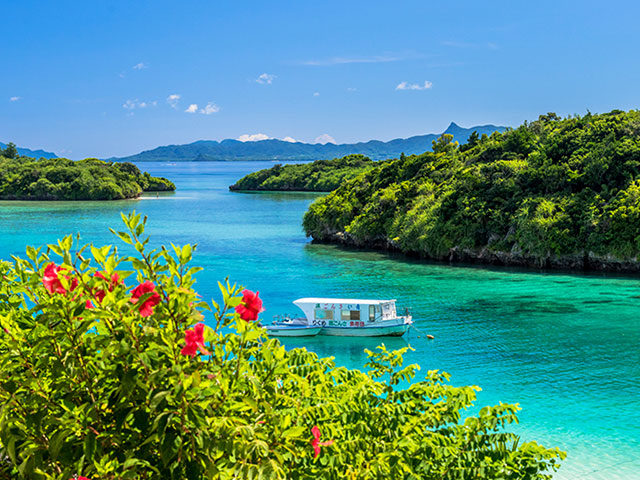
106, 380
24, 178
318, 176
553, 192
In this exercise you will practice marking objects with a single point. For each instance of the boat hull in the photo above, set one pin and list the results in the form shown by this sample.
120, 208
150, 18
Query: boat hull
277, 331
373, 331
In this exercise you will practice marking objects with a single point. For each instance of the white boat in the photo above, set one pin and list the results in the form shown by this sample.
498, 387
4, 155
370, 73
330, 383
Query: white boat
346, 318
290, 328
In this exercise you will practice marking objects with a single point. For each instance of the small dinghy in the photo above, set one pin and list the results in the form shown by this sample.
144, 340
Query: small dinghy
292, 327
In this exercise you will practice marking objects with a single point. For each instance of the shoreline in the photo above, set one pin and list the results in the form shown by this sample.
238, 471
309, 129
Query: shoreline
587, 262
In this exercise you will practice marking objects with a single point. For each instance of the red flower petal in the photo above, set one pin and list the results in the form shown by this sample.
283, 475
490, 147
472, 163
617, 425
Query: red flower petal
250, 307
146, 308
194, 341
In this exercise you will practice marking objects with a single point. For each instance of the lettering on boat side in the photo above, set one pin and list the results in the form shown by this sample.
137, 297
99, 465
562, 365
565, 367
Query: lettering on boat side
333, 306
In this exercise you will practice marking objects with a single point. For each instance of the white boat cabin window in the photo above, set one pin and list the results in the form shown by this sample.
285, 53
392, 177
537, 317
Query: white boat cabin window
323, 314
350, 315
372, 313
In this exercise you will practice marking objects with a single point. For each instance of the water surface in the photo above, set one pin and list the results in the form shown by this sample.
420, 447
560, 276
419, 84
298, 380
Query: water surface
565, 346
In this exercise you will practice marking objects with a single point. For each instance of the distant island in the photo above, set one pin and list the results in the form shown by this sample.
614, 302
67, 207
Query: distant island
553, 193
27, 152
318, 176
229, 150
25, 178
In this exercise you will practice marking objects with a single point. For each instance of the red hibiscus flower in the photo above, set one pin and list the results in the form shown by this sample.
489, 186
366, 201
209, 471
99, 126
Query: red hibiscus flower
115, 280
51, 280
146, 307
250, 307
194, 341
316, 443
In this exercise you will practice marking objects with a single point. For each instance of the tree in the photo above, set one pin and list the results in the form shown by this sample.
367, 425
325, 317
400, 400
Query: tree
444, 144
472, 141
11, 151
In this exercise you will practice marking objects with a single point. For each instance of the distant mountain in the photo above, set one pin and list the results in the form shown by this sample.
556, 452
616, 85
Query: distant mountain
225, 150
27, 152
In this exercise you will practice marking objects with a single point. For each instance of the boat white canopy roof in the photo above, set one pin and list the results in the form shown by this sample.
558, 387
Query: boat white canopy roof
348, 301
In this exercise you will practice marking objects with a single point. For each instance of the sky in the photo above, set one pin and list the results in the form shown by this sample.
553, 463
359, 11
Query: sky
113, 78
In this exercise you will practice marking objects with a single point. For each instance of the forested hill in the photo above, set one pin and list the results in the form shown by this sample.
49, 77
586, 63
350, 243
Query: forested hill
280, 150
27, 152
550, 193
24, 178
318, 176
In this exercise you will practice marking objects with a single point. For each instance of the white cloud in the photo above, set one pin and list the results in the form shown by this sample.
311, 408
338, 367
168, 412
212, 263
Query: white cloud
173, 100
266, 78
324, 138
343, 60
209, 109
121, 75
140, 66
414, 86
316, 94
352, 89
15, 99
489, 45
254, 137
131, 104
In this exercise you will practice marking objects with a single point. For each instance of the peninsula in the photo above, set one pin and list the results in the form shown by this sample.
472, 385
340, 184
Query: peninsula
553, 193
318, 176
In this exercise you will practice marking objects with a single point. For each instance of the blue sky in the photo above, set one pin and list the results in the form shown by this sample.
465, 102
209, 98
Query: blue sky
112, 78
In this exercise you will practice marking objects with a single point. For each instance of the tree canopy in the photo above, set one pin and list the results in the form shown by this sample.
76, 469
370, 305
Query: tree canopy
318, 176
24, 178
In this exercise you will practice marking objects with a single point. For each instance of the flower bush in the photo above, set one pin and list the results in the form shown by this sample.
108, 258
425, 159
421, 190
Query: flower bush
109, 372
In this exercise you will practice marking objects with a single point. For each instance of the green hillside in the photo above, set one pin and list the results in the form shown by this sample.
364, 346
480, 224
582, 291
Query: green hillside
553, 192
318, 176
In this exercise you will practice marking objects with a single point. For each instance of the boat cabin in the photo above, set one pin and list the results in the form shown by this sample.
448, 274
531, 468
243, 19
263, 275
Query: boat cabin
340, 312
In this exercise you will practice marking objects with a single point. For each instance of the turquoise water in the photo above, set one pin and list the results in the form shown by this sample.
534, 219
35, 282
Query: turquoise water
565, 346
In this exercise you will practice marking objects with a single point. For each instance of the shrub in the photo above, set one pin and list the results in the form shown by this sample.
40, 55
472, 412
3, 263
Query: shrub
107, 381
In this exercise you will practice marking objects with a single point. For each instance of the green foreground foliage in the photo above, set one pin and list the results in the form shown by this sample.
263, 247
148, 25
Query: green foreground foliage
547, 190
25, 178
105, 392
318, 176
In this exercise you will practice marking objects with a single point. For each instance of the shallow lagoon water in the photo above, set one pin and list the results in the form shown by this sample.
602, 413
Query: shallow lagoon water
565, 346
